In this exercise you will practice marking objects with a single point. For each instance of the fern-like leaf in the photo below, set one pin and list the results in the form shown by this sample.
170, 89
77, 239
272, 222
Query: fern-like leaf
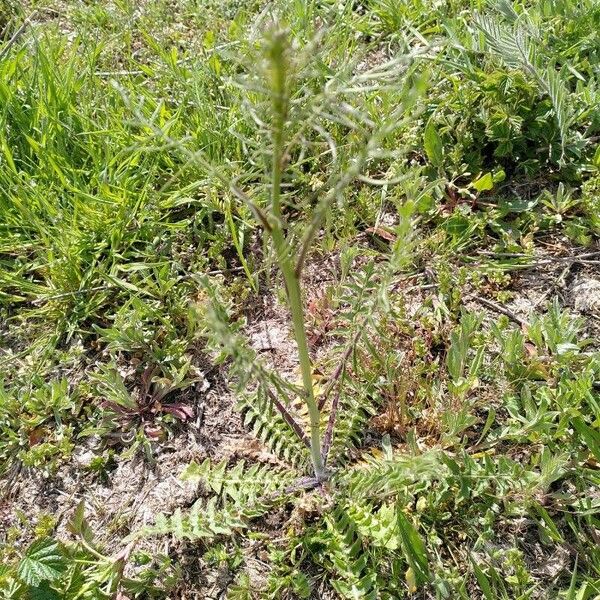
377, 477
204, 520
354, 411
270, 427
240, 482
242, 494
557, 90
345, 556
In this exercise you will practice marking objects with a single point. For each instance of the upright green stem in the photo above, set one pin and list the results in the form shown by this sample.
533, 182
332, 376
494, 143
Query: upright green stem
284, 257
297, 313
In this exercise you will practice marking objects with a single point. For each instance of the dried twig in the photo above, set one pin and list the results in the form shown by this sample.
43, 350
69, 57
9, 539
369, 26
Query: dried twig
335, 376
330, 425
547, 260
289, 419
499, 309
559, 283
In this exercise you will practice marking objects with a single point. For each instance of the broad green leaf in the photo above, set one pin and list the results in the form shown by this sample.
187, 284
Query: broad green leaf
518, 205
499, 176
484, 183
42, 562
43, 592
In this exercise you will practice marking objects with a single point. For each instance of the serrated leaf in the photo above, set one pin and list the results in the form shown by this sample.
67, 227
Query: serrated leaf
195, 472
42, 562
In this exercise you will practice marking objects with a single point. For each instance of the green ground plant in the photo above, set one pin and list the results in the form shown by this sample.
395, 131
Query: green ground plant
169, 169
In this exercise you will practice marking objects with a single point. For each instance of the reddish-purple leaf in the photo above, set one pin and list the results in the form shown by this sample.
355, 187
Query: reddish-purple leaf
181, 411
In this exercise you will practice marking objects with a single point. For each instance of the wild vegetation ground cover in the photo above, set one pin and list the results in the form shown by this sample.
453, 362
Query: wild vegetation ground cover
299, 299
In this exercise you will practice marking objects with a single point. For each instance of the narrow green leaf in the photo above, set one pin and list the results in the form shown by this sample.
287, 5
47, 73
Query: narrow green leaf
78, 524
571, 591
483, 581
433, 144
413, 548
551, 528
591, 438
236, 236
489, 421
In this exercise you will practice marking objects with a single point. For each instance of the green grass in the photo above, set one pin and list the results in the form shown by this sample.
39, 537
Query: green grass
151, 182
